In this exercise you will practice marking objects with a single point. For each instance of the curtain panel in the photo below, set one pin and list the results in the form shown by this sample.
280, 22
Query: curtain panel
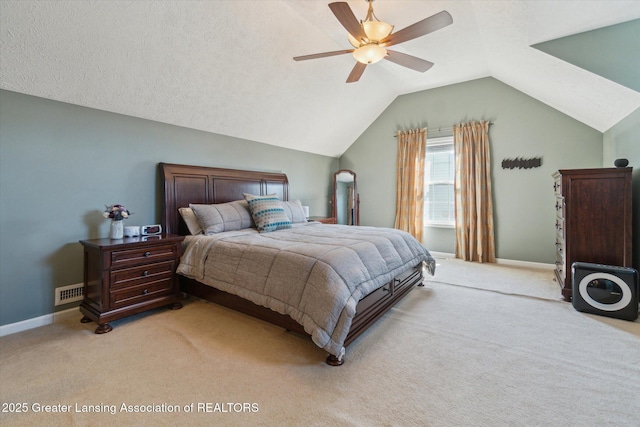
412, 146
474, 209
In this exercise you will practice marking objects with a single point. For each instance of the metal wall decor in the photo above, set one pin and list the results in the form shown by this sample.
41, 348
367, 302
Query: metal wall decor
520, 163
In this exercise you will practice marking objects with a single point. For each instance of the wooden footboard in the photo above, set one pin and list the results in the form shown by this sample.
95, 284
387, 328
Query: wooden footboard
368, 310
377, 303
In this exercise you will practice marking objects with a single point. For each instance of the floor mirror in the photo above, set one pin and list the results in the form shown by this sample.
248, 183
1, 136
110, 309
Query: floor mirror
346, 200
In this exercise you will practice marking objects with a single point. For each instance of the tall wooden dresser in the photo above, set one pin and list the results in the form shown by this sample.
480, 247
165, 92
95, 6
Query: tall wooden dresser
593, 219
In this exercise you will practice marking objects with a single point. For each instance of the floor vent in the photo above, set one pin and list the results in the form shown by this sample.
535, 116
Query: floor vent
71, 293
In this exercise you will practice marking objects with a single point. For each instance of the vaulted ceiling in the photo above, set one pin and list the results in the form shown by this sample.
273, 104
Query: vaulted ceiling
226, 66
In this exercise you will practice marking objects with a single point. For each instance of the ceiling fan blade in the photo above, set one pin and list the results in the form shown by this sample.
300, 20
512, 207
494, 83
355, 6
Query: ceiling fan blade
419, 29
345, 15
357, 71
408, 61
322, 55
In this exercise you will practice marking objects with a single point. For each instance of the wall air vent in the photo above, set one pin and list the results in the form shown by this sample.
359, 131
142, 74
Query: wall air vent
70, 293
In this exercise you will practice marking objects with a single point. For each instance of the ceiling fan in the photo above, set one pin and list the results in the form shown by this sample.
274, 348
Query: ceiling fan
371, 37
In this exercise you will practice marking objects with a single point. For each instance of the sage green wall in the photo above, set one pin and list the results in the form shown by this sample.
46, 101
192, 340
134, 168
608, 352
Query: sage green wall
60, 164
612, 52
524, 215
623, 142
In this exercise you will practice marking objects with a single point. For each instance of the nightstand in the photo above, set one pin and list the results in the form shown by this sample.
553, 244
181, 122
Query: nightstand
128, 276
323, 219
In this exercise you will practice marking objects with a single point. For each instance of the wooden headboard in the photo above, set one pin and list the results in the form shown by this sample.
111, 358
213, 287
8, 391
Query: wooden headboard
184, 184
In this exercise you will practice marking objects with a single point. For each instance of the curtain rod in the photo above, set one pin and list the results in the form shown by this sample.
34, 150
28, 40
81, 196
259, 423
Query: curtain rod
447, 129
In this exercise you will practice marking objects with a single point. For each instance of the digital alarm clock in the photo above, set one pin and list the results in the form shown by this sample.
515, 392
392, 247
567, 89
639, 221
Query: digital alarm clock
146, 230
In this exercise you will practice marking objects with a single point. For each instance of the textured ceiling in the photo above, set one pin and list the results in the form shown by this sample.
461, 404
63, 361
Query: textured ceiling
226, 66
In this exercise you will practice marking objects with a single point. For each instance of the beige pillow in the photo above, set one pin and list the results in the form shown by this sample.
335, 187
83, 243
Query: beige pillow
294, 211
189, 218
223, 216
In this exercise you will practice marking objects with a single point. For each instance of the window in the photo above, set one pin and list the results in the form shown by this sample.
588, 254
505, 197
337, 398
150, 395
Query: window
439, 209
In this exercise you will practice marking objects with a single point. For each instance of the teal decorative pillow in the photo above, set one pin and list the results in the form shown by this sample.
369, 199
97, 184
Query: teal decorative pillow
267, 212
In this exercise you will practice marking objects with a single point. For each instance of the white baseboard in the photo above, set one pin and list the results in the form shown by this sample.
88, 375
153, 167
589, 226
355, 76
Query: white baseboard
503, 261
36, 322
441, 254
519, 263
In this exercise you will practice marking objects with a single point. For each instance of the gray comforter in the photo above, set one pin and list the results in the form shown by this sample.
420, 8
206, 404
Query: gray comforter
313, 272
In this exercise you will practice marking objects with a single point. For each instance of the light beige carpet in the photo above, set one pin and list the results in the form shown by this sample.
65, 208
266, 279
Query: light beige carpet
536, 280
454, 353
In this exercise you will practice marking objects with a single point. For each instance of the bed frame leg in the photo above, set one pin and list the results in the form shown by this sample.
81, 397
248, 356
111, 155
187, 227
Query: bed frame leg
334, 361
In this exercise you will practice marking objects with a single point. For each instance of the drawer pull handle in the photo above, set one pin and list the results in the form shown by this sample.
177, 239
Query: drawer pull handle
145, 292
145, 273
147, 254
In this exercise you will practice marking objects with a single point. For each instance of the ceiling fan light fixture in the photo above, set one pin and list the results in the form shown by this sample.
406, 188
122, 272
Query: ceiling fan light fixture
373, 30
376, 30
369, 53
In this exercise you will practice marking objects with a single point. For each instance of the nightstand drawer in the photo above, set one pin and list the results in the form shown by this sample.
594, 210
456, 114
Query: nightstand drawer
138, 255
143, 292
133, 276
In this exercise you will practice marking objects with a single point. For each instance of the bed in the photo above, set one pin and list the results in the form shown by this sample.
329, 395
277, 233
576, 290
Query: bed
368, 294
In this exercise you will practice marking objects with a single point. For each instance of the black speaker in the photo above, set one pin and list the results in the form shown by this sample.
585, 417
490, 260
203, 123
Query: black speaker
605, 290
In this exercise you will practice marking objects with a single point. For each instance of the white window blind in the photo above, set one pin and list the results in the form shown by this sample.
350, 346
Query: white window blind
439, 209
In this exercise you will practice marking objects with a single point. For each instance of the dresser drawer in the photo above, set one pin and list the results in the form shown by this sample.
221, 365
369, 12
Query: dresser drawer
559, 254
140, 293
557, 187
558, 207
560, 270
145, 254
127, 277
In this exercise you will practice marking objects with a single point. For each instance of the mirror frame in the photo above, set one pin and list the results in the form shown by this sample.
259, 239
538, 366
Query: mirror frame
356, 202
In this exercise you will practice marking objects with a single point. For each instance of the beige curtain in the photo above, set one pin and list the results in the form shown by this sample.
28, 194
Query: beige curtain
474, 210
412, 146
